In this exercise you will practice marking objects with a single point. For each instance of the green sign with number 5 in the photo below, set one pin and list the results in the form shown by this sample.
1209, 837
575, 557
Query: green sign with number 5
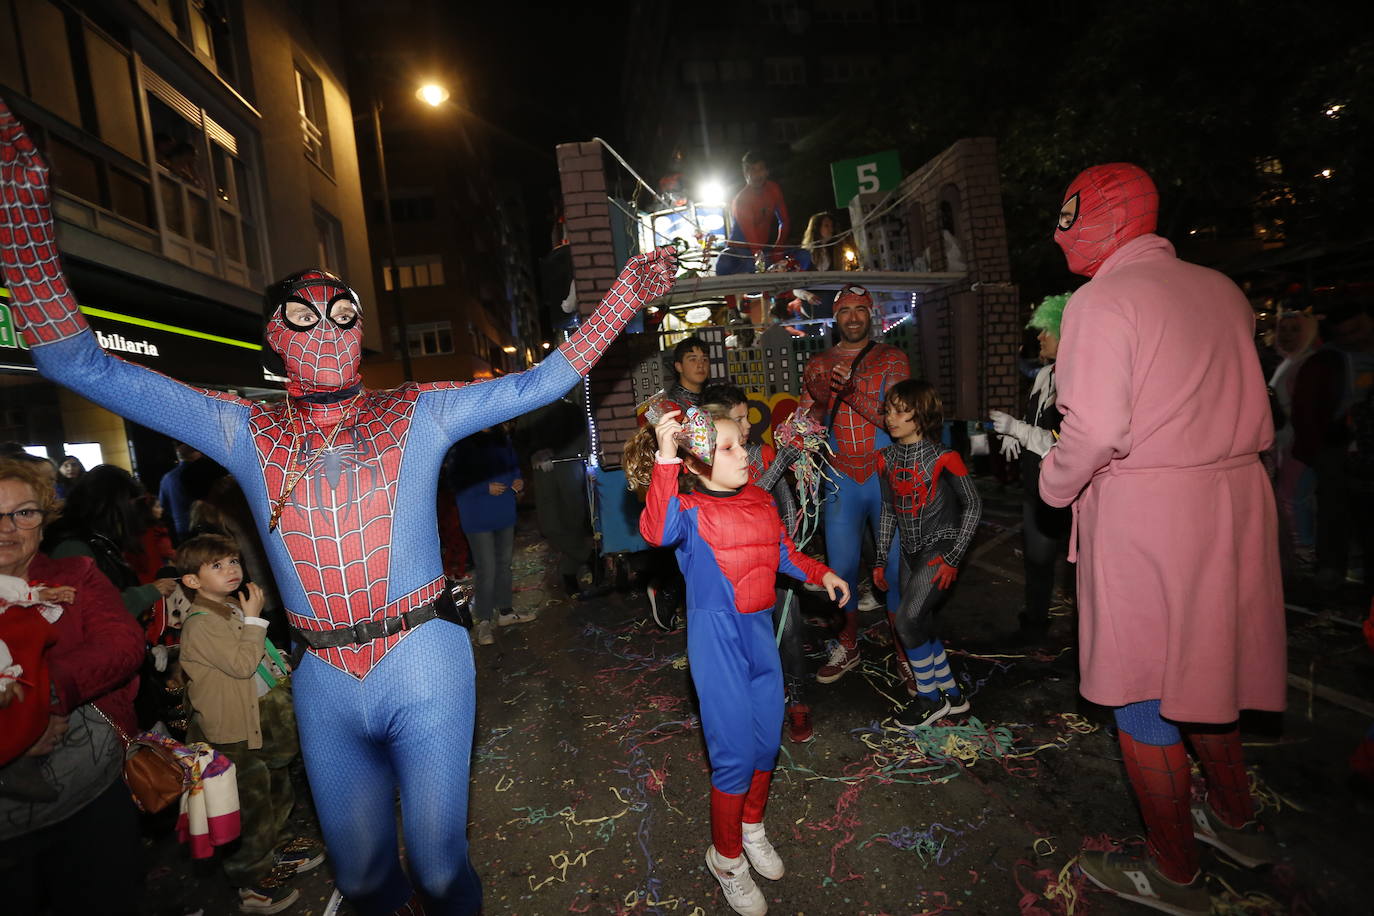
875, 172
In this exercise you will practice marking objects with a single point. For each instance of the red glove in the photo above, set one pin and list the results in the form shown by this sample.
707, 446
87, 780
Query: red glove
944, 573
841, 382
880, 578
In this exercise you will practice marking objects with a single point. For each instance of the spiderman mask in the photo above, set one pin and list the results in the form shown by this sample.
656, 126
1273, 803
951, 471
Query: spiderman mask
698, 433
1104, 208
314, 324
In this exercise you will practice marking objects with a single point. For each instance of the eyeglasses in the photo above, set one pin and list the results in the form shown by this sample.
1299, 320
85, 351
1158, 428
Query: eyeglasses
25, 519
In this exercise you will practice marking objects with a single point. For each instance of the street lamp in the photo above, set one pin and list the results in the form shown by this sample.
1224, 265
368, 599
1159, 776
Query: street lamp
433, 95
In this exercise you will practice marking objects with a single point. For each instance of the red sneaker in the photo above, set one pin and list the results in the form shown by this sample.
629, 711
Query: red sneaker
799, 728
842, 659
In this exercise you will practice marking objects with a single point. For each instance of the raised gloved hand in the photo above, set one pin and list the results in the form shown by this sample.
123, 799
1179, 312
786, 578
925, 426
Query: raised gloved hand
644, 278
1005, 424
880, 578
1011, 448
944, 573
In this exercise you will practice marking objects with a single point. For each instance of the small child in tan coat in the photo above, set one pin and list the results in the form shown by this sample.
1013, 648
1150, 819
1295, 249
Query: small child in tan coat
240, 694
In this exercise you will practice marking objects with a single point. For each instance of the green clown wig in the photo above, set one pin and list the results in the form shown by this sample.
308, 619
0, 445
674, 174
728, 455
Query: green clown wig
1049, 314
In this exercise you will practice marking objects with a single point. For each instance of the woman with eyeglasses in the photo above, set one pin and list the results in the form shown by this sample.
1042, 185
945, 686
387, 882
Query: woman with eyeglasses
78, 809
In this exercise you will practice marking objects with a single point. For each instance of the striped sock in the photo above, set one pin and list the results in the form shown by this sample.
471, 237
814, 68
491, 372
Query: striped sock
922, 665
943, 678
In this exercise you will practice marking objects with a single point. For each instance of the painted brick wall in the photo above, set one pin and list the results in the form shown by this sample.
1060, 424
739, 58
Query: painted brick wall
582, 175
975, 368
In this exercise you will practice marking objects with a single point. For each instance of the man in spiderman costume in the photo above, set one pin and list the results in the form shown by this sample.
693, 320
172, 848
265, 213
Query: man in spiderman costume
385, 696
759, 220
844, 388
1180, 603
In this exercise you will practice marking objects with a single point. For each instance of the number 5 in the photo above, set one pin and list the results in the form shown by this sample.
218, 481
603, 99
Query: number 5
868, 177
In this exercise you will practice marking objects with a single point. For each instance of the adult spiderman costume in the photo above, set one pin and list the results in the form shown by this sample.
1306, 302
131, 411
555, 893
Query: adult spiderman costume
1180, 597
847, 383
383, 701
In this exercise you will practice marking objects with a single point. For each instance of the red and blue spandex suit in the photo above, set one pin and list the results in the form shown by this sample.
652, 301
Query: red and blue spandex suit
353, 474
730, 546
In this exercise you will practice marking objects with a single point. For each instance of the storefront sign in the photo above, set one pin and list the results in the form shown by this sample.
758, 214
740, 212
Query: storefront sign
183, 353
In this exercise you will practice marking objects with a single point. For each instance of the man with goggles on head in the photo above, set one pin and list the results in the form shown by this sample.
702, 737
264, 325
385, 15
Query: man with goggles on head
352, 540
844, 388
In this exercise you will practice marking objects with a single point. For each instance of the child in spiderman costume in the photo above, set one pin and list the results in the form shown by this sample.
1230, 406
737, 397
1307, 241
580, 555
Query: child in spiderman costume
767, 471
931, 504
730, 545
1180, 598
385, 696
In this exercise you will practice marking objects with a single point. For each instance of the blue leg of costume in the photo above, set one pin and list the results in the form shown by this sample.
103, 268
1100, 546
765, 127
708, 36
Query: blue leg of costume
1143, 722
848, 507
364, 739
738, 678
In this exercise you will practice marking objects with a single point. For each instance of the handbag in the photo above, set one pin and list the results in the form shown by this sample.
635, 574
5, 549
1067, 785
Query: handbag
155, 768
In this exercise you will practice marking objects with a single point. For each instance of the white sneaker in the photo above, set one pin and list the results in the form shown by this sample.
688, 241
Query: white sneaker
868, 601
485, 636
511, 617
762, 856
741, 892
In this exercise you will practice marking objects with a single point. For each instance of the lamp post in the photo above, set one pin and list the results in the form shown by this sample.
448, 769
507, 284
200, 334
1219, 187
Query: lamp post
434, 96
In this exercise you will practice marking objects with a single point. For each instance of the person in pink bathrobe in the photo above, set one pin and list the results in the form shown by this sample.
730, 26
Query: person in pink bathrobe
1175, 531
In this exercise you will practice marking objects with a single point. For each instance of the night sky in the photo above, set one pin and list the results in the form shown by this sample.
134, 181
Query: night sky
540, 76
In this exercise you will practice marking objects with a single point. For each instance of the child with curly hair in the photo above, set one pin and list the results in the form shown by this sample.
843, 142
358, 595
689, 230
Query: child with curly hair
730, 544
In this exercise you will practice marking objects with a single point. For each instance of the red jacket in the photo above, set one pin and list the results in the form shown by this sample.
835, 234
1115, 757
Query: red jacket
99, 645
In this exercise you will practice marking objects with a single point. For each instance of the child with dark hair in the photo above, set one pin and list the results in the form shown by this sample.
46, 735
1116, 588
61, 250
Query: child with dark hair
239, 688
930, 502
692, 363
730, 545
767, 471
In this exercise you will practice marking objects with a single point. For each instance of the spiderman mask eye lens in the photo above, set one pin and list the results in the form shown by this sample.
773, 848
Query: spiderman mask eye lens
343, 311
1068, 213
300, 316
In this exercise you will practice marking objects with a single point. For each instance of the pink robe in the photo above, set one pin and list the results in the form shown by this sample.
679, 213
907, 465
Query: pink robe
1165, 411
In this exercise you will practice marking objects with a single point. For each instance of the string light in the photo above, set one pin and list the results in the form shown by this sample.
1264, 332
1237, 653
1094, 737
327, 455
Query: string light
593, 437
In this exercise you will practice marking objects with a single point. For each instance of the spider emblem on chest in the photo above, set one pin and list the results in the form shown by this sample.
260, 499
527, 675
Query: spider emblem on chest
351, 463
909, 486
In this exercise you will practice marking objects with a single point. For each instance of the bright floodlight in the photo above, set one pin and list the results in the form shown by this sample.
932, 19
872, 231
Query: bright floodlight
711, 194
432, 94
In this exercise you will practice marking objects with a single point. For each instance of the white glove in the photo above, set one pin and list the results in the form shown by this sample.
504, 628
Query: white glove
1007, 425
1011, 448
159, 654
1040, 441
542, 460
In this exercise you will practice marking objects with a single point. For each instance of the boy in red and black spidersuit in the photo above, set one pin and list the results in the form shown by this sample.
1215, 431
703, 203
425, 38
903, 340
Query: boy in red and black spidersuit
930, 502
730, 545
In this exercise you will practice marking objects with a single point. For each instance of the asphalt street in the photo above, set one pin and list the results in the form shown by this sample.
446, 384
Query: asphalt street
589, 783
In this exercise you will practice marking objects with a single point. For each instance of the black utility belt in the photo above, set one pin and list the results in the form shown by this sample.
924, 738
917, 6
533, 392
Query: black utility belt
442, 607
